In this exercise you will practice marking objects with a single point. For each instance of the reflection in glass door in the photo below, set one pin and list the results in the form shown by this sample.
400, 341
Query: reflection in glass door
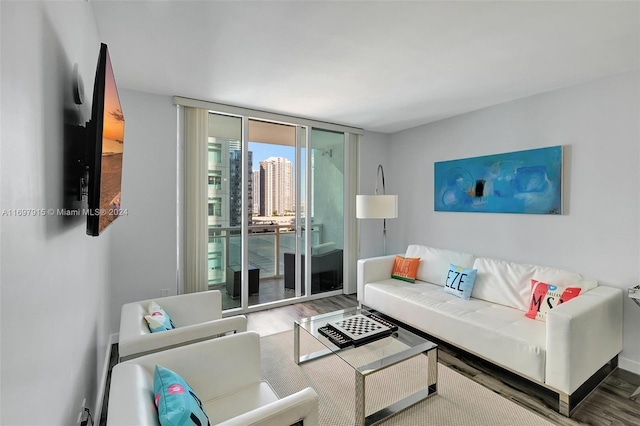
224, 216
324, 207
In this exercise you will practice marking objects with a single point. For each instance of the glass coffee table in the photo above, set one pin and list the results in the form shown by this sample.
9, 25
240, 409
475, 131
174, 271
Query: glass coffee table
377, 355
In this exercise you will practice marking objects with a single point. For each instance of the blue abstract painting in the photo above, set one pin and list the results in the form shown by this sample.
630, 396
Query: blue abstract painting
515, 182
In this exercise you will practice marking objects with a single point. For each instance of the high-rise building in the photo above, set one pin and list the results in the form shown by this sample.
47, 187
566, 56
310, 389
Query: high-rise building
235, 186
256, 193
276, 187
225, 197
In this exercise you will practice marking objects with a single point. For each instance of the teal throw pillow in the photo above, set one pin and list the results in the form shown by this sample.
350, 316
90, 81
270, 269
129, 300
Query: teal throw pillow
177, 403
158, 319
460, 281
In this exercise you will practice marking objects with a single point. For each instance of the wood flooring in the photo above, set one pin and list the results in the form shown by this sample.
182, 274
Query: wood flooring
608, 405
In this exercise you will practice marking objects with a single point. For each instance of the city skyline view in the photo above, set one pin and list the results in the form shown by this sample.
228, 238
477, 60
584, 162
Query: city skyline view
262, 151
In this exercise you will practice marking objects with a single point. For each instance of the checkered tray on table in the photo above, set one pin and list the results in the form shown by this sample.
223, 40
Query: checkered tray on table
357, 330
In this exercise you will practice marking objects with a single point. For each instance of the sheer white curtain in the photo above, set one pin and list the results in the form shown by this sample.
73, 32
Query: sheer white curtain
195, 200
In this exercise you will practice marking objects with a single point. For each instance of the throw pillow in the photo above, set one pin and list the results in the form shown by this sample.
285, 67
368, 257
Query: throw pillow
176, 401
405, 269
460, 281
545, 297
158, 319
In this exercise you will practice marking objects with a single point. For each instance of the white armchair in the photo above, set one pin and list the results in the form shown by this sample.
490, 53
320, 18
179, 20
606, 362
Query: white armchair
197, 316
225, 375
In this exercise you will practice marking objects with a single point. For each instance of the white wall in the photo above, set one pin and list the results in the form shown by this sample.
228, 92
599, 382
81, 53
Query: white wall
55, 295
598, 235
144, 256
374, 150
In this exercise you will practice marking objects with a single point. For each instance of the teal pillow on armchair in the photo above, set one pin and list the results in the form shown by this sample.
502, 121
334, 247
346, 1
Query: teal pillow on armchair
177, 403
158, 319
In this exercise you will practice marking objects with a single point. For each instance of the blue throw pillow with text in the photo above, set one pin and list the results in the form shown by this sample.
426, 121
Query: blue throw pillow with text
460, 281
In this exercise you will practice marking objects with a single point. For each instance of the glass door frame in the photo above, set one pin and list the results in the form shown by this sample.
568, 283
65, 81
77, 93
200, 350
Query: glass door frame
303, 137
352, 135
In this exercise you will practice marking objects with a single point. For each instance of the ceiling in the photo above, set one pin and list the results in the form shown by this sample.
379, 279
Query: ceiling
379, 65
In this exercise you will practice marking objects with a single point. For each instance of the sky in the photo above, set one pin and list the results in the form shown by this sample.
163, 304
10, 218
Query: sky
262, 151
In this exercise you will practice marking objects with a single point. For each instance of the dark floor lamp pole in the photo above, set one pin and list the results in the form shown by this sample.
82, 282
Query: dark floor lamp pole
378, 206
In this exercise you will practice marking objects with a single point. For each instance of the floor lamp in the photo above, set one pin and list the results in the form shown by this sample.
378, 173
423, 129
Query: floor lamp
378, 206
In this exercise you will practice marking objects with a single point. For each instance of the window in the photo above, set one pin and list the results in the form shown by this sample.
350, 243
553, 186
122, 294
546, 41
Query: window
215, 206
215, 154
215, 180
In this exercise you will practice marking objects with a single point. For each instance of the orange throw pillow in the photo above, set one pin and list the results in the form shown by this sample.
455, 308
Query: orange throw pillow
405, 269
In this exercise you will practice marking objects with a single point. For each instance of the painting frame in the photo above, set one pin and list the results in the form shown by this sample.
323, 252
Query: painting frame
523, 182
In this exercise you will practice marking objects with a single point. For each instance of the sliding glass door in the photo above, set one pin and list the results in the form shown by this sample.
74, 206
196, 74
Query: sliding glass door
272, 202
275, 207
323, 212
224, 216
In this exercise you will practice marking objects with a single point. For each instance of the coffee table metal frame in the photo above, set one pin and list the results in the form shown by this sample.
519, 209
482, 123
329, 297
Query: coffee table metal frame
416, 346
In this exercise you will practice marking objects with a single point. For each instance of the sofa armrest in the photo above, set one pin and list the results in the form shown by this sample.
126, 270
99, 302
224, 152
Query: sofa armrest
132, 346
302, 405
373, 269
582, 336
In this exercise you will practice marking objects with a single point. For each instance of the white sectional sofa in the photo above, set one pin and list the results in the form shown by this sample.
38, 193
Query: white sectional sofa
580, 338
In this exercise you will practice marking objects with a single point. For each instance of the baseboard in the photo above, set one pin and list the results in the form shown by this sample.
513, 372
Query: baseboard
629, 365
97, 413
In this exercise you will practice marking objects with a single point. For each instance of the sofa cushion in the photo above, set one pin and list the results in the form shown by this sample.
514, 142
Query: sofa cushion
157, 319
509, 283
460, 281
405, 268
545, 297
177, 402
434, 262
499, 333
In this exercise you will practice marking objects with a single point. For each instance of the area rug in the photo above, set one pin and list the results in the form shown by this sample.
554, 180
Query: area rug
459, 400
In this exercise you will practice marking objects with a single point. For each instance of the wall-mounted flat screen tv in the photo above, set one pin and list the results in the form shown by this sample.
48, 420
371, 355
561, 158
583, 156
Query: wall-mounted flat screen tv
105, 149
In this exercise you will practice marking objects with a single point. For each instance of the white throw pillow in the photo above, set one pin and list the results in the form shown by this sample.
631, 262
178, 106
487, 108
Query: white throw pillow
509, 284
434, 262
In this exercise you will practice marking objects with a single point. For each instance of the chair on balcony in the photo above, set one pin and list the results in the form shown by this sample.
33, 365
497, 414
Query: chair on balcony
326, 268
196, 316
225, 376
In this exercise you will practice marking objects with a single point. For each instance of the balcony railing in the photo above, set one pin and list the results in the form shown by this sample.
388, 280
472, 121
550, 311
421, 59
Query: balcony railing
267, 245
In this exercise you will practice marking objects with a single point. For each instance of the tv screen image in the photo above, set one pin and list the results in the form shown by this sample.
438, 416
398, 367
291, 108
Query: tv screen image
106, 143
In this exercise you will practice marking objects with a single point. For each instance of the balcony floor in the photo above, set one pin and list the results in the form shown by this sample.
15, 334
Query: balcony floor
270, 290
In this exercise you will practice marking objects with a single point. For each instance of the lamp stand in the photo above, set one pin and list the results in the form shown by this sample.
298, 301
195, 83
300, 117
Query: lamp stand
384, 221
378, 206
384, 235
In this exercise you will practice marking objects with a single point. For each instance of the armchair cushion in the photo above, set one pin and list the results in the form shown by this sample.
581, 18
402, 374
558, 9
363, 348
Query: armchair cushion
176, 401
158, 319
223, 372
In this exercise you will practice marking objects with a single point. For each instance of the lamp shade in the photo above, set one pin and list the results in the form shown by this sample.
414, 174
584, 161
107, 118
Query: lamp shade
376, 206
